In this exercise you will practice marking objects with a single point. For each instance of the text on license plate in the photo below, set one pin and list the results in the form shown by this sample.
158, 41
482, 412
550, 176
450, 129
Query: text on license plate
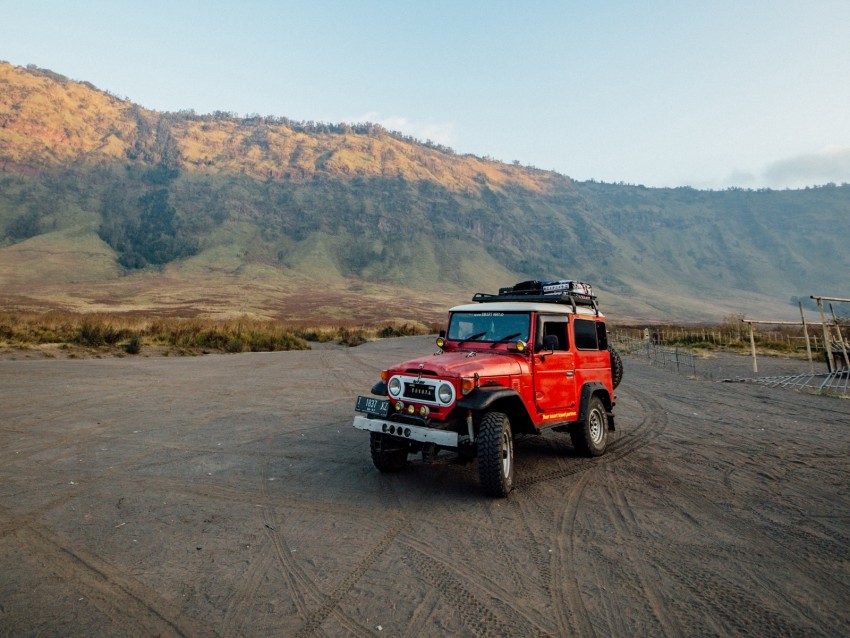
372, 406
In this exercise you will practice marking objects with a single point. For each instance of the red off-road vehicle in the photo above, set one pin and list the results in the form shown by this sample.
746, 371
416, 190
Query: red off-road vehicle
531, 358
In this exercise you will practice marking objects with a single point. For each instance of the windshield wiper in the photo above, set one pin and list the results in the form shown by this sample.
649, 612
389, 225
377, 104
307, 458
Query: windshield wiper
508, 338
473, 337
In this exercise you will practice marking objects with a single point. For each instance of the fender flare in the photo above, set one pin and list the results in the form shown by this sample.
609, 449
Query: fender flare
590, 389
482, 398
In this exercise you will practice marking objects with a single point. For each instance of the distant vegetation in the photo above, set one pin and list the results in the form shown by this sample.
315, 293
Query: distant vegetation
98, 335
119, 335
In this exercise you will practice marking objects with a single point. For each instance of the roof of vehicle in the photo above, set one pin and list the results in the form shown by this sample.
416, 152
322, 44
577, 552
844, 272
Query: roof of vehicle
522, 306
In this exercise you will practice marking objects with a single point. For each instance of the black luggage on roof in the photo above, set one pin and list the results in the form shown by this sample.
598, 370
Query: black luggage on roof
567, 291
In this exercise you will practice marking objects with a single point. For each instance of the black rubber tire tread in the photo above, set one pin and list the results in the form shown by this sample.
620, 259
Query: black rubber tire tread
616, 366
389, 454
580, 434
491, 434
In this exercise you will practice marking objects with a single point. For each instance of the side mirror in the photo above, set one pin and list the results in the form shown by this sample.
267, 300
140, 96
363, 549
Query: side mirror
550, 343
443, 333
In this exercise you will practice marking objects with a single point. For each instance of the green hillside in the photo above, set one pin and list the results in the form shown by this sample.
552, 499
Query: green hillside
107, 206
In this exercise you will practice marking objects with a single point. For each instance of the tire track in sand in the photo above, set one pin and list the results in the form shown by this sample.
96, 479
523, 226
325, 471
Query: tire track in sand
566, 587
312, 604
119, 597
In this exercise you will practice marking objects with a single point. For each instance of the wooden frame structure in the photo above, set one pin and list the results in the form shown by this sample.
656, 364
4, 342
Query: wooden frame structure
827, 336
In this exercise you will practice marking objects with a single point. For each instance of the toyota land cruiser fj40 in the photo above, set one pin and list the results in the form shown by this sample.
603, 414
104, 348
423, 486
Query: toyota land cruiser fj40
533, 357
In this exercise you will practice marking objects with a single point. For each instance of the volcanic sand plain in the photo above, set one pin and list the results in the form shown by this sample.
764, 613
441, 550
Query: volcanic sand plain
228, 495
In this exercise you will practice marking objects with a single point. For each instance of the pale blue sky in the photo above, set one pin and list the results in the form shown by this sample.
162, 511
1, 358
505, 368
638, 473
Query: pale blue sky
750, 93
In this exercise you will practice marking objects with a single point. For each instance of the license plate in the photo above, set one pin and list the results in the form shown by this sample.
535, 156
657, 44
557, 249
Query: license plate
378, 407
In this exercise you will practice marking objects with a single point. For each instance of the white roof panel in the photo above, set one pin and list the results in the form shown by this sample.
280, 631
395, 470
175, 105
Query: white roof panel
522, 306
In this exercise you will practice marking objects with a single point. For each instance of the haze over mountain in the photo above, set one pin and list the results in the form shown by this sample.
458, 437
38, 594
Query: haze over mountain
108, 206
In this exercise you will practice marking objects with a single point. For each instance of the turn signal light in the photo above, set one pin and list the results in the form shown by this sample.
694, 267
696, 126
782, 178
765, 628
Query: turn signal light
385, 375
467, 385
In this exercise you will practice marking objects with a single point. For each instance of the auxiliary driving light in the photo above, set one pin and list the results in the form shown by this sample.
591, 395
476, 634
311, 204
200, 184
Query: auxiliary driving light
399, 406
424, 411
411, 409
441, 343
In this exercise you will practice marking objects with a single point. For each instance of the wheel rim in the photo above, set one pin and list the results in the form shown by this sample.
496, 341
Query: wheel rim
596, 426
507, 453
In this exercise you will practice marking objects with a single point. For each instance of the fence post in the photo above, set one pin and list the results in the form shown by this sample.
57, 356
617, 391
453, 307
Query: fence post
827, 341
808, 345
753, 346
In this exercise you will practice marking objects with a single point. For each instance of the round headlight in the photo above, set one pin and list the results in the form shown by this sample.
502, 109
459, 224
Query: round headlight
445, 393
394, 386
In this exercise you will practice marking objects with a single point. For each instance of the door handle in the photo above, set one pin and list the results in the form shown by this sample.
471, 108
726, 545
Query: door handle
570, 373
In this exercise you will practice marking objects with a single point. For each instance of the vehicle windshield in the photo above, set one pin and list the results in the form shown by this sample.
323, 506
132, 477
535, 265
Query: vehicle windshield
489, 327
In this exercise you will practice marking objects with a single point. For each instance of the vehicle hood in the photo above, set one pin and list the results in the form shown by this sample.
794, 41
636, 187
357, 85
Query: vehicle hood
465, 364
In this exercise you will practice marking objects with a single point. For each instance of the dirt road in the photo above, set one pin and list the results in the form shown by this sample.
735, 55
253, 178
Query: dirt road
229, 496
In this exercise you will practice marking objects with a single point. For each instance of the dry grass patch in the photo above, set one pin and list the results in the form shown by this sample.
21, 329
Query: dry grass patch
84, 335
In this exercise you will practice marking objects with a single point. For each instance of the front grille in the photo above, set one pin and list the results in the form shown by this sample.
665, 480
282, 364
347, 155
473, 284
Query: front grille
419, 392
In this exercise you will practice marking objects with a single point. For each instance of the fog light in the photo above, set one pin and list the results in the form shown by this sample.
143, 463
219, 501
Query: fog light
411, 409
399, 406
424, 411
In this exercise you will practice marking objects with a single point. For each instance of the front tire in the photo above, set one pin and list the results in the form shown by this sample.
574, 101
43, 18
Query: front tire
590, 437
389, 454
496, 454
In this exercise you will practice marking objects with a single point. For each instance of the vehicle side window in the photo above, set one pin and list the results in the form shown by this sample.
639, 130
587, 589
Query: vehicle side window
601, 335
557, 326
585, 334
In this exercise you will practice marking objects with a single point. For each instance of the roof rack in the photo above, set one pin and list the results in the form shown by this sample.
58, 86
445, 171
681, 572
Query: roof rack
573, 299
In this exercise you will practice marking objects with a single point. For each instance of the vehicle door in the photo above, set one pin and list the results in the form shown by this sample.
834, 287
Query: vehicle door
554, 369
593, 362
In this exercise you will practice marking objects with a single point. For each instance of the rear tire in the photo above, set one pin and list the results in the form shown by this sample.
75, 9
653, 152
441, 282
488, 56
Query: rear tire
389, 454
590, 437
496, 454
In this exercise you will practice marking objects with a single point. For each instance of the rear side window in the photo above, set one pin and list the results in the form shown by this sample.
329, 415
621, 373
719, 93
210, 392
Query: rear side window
601, 335
585, 335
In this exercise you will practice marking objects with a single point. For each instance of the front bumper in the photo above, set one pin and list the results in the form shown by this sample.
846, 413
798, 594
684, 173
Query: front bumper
444, 438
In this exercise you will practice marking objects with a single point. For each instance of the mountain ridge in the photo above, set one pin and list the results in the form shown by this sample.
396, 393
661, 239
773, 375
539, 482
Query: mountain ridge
215, 214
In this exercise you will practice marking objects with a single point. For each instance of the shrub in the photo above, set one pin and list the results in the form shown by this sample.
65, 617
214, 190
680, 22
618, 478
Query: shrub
134, 346
234, 344
351, 337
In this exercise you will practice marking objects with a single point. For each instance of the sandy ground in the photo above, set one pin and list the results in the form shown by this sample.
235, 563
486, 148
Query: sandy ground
229, 496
